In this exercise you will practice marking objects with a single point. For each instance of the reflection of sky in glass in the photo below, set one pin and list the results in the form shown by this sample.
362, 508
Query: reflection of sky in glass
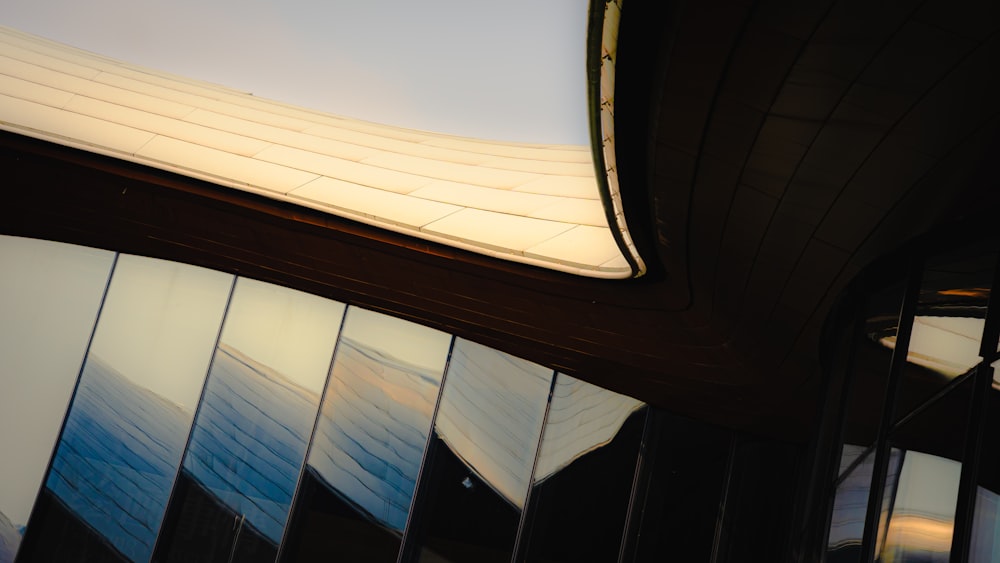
125, 432
491, 415
289, 331
582, 418
923, 514
850, 504
261, 399
159, 324
985, 546
377, 411
848, 455
49, 299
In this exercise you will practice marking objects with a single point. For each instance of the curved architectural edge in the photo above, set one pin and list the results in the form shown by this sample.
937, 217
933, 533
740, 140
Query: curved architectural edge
533, 204
602, 54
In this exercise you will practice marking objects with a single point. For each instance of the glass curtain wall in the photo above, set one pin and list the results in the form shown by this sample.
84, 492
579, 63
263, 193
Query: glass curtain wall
256, 417
914, 418
216, 418
51, 295
124, 435
369, 443
484, 444
582, 481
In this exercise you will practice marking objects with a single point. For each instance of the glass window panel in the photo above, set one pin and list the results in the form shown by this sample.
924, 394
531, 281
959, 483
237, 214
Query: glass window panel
948, 324
483, 450
850, 506
369, 443
124, 435
255, 419
923, 510
986, 520
850, 456
986, 527
584, 474
685, 484
919, 510
50, 294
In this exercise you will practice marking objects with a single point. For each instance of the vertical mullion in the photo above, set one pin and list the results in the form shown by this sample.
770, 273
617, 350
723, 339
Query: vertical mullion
520, 541
904, 328
194, 418
969, 480
72, 399
722, 517
407, 547
637, 498
312, 435
832, 478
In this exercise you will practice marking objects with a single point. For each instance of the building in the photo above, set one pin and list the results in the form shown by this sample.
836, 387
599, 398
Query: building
809, 186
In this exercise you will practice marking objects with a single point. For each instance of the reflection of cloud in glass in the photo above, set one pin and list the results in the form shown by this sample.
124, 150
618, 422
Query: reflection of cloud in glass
421, 346
49, 298
117, 458
159, 325
582, 418
126, 430
491, 415
250, 438
947, 345
261, 398
289, 331
377, 411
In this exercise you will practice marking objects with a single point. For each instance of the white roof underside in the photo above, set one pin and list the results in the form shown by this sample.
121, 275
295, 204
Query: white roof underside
535, 204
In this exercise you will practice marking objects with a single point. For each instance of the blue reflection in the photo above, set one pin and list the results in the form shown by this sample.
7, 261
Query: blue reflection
116, 461
250, 438
371, 434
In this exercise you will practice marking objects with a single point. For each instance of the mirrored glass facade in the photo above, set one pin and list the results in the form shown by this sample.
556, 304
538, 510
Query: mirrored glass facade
919, 412
216, 418
44, 335
126, 430
254, 423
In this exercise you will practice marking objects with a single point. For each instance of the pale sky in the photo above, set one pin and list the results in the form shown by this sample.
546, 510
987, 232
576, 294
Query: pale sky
511, 70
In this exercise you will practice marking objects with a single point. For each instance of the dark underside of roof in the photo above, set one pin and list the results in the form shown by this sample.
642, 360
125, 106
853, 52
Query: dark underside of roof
768, 152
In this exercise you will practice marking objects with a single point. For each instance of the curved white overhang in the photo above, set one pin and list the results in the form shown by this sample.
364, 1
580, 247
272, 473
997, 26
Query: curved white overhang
602, 58
534, 204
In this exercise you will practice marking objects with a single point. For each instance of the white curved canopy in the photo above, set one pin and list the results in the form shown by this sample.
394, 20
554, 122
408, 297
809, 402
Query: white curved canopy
535, 204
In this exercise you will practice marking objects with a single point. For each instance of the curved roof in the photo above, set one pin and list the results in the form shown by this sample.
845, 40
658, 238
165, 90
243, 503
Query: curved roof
534, 204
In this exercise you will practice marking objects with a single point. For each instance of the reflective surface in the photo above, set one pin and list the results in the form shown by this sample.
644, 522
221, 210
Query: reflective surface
370, 437
582, 482
52, 293
132, 411
949, 321
919, 510
985, 544
210, 404
681, 498
255, 420
869, 374
850, 506
491, 415
482, 452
